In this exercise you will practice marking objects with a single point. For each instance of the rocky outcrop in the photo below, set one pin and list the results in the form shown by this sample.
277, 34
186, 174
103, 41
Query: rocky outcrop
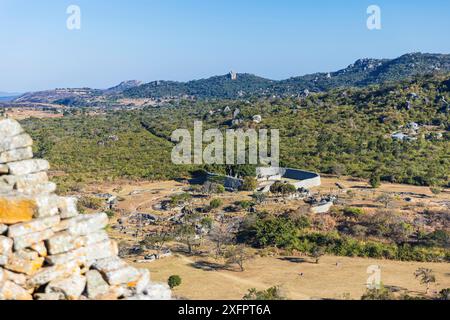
48, 250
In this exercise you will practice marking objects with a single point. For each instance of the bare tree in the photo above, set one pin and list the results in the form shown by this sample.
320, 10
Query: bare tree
426, 277
385, 199
158, 239
187, 235
317, 253
221, 235
238, 255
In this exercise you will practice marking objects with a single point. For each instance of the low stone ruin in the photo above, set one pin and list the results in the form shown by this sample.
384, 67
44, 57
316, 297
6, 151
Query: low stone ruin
48, 250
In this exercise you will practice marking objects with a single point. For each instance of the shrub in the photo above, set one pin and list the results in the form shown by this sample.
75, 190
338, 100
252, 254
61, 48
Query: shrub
378, 294
375, 181
245, 204
353, 212
110, 213
180, 199
174, 281
269, 294
346, 246
211, 187
259, 197
444, 294
436, 191
220, 189
283, 188
207, 222
91, 203
215, 203
439, 237
249, 184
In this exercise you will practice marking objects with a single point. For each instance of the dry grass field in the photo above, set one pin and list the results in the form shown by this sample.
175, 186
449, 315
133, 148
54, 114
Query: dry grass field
325, 280
25, 113
332, 278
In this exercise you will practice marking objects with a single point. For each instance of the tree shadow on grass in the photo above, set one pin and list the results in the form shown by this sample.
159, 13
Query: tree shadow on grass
295, 260
208, 266
396, 289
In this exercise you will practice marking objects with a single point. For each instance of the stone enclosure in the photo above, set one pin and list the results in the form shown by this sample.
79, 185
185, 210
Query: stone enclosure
48, 250
267, 176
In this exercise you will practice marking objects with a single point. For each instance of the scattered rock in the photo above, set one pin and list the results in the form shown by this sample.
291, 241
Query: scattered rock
96, 285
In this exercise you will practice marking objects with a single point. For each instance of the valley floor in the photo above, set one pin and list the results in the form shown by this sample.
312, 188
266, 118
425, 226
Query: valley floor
325, 280
333, 278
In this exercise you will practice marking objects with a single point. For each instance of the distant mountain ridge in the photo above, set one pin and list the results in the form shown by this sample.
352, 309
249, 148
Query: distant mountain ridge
75, 96
362, 73
8, 96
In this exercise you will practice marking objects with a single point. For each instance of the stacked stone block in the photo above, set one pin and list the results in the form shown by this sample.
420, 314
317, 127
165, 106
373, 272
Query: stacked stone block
48, 250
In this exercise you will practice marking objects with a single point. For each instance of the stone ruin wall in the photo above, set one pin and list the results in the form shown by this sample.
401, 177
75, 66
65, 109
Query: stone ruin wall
305, 179
48, 250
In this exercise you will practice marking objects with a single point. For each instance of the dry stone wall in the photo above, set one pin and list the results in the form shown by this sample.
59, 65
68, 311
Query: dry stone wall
48, 250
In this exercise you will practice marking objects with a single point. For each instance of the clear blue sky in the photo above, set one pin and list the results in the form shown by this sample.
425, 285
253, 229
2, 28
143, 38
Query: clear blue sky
190, 39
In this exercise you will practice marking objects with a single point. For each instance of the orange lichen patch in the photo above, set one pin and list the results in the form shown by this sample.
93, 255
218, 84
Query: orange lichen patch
16, 211
24, 266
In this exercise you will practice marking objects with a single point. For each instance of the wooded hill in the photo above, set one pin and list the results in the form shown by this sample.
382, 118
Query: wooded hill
344, 131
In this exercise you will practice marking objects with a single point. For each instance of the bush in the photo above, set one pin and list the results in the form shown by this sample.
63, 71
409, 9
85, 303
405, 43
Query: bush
220, 189
439, 237
215, 203
444, 294
283, 188
245, 204
378, 294
211, 187
249, 184
269, 294
110, 213
91, 203
259, 197
436, 191
207, 222
174, 281
375, 181
346, 246
180, 199
353, 212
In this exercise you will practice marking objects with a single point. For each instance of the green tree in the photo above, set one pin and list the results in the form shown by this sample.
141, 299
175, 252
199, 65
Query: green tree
375, 180
279, 232
174, 281
249, 184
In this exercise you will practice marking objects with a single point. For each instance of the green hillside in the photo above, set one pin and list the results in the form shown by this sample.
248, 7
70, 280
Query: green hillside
344, 131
